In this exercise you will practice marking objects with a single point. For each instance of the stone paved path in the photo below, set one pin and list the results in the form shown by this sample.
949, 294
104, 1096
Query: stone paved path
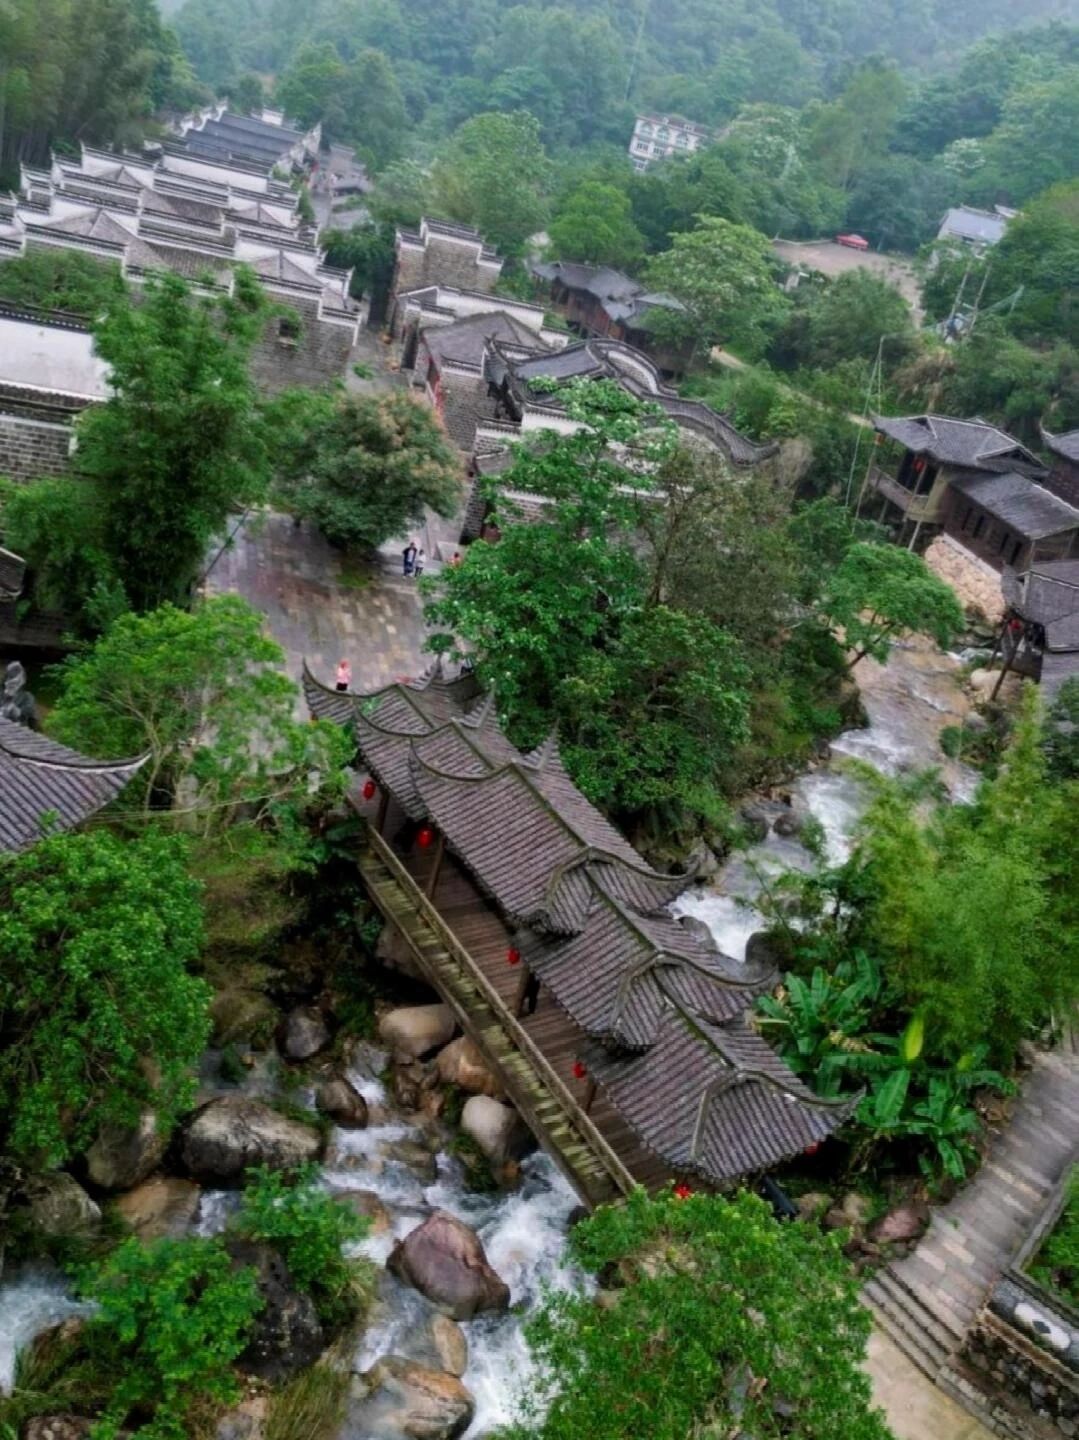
927, 1302
316, 608
914, 1407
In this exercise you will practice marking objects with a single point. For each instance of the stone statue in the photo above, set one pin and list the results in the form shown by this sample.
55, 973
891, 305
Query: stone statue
16, 702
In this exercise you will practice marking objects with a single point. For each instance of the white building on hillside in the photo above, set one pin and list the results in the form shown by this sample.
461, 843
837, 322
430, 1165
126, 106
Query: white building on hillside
656, 137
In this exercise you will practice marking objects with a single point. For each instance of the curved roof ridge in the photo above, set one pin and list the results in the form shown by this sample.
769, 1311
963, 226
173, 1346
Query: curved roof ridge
55, 756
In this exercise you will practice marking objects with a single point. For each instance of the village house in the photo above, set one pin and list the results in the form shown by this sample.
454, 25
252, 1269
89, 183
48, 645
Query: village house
217, 133
974, 482
1039, 634
596, 300
1063, 477
628, 1046
49, 374
199, 217
980, 229
658, 137
440, 254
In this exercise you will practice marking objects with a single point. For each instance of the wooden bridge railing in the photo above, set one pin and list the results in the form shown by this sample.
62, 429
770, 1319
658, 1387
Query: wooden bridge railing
546, 1103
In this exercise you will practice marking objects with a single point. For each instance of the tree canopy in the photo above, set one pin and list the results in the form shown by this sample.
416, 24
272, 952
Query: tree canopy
365, 468
718, 1319
99, 1014
879, 593
493, 173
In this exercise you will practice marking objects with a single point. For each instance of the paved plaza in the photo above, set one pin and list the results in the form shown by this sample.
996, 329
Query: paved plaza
320, 606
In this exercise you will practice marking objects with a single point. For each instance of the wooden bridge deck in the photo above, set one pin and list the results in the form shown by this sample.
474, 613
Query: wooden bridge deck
461, 942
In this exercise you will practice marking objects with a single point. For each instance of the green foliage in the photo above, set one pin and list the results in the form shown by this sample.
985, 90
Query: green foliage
493, 173
704, 1333
365, 467
357, 98
724, 276
845, 319
1061, 743
62, 280
201, 693
594, 223
1056, 1264
247, 94
99, 1016
849, 134
175, 1315
1039, 256
1035, 144
880, 593
366, 250
308, 1227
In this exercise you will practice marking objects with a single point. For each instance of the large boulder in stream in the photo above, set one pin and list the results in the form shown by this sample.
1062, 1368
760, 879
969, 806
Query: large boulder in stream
415, 1030
445, 1260
165, 1205
461, 1064
497, 1129
123, 1155
302, 1034
342, 1103
399, 1400
60, 1208
229, 1136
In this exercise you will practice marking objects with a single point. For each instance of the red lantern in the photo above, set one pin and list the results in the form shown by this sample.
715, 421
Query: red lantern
425, 837
579, 1071
812, 1149
513, 956
369, 788
682, 1192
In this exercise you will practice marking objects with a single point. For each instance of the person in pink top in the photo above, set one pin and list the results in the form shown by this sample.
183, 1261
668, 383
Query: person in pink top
344, 676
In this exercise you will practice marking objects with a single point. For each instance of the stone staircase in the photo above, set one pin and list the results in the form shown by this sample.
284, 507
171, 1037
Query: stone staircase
928, 1301
551, 1112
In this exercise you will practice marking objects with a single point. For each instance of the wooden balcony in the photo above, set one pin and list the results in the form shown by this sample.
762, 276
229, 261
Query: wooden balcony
460, 945
926, 508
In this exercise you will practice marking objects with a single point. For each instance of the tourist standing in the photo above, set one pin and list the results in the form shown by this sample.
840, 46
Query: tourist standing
408, 558
344, 675
419, 562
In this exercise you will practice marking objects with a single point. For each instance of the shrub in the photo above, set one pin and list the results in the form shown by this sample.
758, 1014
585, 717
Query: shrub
174, 1315
308, 1228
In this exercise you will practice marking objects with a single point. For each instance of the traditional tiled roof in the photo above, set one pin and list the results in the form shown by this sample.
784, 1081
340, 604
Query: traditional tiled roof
532, 379
1016, 501
465, 342
1066, 446
12, 571
716, 1102
970, 444
666, 1011
983, 227
44, 785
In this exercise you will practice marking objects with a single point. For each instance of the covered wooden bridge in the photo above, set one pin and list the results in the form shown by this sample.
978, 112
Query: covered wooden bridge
617, 1030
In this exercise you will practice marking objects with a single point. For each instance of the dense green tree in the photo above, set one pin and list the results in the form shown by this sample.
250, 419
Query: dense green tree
178, 443
724, 275
703, 1331
99, 1016
494, 174
846, 319
375, 119
594, 223
1039, 257
1036, 143
246, 93
897, 201
853, 131
879, 593
364, 468
202, 694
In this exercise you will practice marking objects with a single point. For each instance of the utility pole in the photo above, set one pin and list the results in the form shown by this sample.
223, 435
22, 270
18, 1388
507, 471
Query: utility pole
635, 56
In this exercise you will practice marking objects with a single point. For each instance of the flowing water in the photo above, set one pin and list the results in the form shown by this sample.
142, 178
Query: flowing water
908, 702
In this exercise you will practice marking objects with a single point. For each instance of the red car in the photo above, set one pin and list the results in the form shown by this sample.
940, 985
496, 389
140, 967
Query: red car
853, 242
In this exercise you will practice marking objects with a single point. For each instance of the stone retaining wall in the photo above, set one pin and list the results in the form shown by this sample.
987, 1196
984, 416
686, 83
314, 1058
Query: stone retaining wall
33, 449
1009, 1362
976, 583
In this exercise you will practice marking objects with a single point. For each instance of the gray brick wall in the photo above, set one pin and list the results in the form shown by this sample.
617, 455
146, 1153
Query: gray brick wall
31, 449
317, 355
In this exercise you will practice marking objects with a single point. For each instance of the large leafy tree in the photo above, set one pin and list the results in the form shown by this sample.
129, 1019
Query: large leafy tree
201, 692
846, 319
494, 174
179, 442
1036, 143
879, 593
724, 277
99, 1015
720, 1321
565, 626
364, 467
594, 223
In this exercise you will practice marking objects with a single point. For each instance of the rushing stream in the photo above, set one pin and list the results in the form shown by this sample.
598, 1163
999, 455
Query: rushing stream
908, 702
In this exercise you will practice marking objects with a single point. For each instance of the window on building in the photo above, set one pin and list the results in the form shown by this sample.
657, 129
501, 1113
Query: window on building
979, 526
645, 129
288, 330
1016, 549
964, 524
1002, 543
680, 140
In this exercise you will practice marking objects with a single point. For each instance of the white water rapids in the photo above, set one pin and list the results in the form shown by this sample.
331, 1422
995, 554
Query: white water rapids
908, 702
